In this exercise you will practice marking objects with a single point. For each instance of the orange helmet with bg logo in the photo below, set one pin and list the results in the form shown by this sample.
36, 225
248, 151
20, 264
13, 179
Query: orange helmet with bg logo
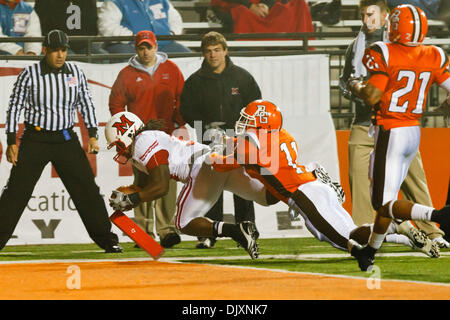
408, 25
259, 114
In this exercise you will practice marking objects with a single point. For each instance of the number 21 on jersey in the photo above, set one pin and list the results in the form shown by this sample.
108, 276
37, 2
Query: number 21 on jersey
284, 147
424, 78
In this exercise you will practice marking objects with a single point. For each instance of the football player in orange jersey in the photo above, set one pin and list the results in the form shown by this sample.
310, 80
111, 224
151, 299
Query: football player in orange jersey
269, 154
401, 73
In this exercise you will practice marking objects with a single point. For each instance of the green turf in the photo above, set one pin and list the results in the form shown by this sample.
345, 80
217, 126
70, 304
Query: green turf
401, 267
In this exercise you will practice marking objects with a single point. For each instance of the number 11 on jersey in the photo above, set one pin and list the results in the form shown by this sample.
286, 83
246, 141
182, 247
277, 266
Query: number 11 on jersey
284, 147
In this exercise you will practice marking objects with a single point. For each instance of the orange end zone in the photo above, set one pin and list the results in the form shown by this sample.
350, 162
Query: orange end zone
156, 280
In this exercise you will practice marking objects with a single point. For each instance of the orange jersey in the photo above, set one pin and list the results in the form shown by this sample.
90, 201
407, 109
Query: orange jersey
272, 159
404, 74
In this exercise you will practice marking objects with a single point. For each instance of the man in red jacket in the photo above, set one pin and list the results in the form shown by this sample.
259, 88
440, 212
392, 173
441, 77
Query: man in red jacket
150, 87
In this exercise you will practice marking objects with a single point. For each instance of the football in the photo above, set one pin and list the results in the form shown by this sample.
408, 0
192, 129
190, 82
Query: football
129, 189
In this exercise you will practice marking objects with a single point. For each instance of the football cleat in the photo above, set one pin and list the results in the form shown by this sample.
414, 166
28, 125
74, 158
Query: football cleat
441, 242
170, 240
113, 248
364, 255
247, 238
421, 242
205, 243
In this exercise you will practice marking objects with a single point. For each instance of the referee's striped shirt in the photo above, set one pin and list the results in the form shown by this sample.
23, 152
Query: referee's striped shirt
50, 99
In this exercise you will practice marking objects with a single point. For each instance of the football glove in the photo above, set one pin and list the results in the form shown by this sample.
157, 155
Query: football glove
123, 202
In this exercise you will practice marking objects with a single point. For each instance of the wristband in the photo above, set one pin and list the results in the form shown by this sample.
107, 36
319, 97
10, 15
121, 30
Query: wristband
11, 138
134, 198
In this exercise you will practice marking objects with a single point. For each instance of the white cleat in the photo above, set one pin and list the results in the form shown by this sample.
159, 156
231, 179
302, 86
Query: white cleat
441, 242
421, 242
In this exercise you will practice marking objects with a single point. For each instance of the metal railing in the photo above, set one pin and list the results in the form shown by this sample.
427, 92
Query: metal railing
341, 109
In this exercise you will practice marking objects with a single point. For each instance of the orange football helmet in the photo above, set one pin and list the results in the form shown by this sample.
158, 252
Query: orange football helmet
409, 23
259, 114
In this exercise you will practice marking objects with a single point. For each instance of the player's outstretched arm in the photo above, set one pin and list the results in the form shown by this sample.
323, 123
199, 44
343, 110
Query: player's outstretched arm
369, 93
157, 185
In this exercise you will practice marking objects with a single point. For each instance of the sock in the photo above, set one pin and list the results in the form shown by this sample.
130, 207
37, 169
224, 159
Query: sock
229, 230
376, 240
437, 215
421, 212
218, 228
399, 238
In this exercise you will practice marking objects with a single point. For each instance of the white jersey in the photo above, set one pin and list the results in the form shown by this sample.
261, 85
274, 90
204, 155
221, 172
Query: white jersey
153, 148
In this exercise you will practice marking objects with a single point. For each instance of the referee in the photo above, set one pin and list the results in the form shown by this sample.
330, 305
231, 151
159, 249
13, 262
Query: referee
51, 92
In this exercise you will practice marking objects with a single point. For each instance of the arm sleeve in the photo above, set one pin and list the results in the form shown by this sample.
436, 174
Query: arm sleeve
16, 103
348, 68
253, 90
375, 64
33, 30
118, 97
189, 104
159, 158
443, 74
86, 105
109, 18
9, 47
175, 20
177, 117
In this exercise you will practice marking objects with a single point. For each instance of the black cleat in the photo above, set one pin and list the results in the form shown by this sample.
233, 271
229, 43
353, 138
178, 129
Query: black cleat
205, 243
170, 240
113, 248
365, 255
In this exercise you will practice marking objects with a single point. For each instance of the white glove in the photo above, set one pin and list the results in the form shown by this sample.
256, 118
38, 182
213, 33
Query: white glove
121, 201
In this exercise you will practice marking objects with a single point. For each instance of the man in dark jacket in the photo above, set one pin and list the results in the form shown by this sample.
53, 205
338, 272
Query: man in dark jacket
215, 95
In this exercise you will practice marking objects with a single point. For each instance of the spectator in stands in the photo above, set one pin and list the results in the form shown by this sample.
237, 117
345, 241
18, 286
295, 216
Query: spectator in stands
444, 12
430, 7
128, 17
215, 95
74, 17
360, 145
150, 87
14, 17
263, 16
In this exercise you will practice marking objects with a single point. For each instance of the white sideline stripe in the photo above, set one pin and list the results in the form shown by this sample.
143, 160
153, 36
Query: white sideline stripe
311, 256
178, 260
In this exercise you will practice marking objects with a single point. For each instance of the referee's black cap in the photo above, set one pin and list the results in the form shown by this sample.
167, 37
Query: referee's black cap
56, 39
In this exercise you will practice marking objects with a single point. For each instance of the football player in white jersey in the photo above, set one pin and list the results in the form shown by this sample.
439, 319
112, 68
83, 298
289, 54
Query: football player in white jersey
163, 157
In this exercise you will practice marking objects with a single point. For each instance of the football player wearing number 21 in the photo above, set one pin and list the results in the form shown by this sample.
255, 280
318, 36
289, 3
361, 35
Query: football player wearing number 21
401, 73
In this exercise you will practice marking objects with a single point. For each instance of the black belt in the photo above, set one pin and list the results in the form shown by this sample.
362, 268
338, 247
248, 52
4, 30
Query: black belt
36, 133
